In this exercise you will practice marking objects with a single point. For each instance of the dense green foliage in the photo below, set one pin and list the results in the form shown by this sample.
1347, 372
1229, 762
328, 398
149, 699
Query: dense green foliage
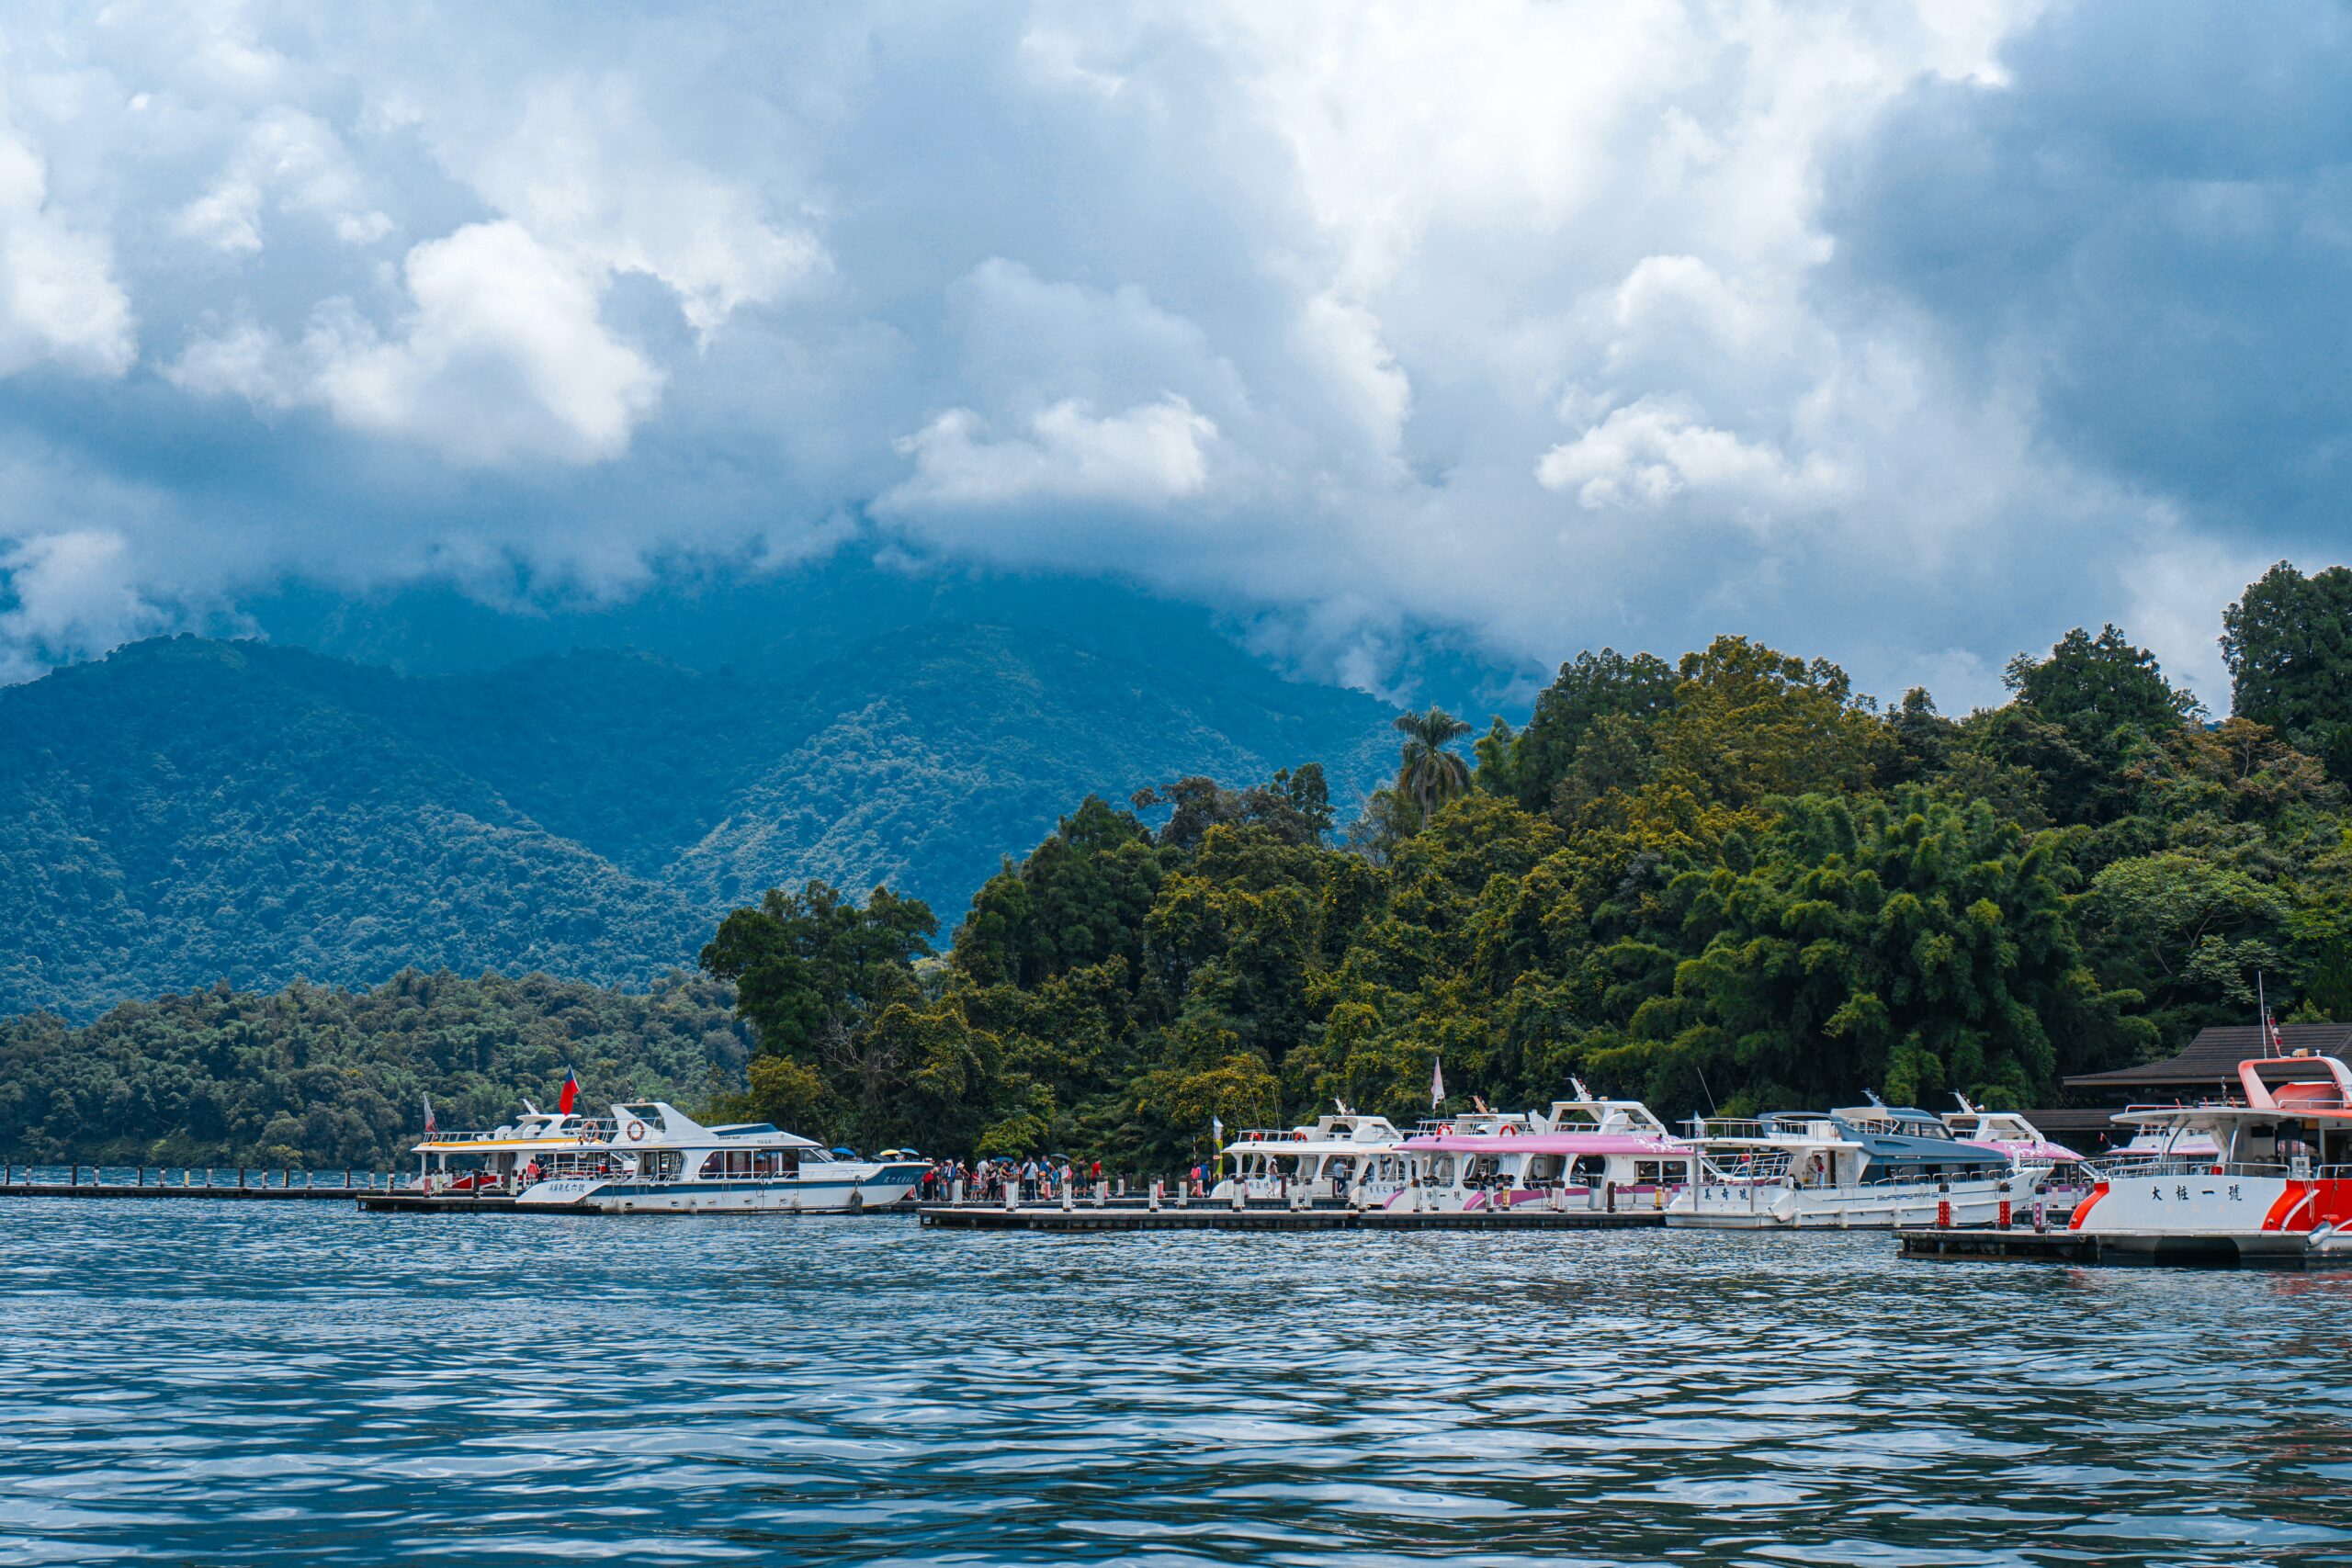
2289, 643
330, 1079
188, 811
1729, 880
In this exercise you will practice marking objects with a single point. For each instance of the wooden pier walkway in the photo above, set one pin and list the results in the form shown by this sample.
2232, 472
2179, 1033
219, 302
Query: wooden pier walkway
1132, 1215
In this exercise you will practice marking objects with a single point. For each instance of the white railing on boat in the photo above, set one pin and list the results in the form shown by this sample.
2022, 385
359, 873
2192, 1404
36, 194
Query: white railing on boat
2190, 1164
579, 1132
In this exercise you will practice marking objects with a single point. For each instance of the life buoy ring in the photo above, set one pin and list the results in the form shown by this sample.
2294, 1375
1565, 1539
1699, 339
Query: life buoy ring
1298, 1137
1508, 1130
637, 1132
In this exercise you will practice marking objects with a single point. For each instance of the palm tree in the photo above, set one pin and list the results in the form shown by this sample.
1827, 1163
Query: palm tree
1426, 771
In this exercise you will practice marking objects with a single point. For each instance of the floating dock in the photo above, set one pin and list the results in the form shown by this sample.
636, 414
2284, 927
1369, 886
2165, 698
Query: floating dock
438, 1203
2018, 1246
1134, 1216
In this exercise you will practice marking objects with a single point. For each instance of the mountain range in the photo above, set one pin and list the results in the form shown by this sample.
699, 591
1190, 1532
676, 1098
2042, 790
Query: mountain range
419, 780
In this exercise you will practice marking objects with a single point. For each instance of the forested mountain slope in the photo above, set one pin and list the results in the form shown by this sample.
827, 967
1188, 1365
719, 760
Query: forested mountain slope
188, 811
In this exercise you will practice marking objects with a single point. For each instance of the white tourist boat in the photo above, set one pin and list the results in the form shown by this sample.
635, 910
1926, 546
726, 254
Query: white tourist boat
2068, 1180
1341, 1158
2276, 1186
1797, 1169
649, 1156
1586, 1153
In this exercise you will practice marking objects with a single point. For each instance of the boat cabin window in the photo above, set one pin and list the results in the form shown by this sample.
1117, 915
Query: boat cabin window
661, 1164
744, 1165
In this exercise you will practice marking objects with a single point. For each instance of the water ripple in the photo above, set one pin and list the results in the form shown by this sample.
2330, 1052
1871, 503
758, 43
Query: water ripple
301, 1383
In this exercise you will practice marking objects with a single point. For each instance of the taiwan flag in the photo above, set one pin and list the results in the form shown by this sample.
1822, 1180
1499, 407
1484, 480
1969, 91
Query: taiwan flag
568, 1094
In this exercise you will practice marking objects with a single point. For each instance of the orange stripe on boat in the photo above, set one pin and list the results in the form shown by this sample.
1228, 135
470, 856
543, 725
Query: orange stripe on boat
2288, 1202
2083, 1210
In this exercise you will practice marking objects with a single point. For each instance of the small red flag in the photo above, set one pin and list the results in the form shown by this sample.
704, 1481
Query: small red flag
570, 1093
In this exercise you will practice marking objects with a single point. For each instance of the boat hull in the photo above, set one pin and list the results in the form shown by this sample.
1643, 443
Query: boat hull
1874, 1206
1642, 1198
829, 1194
2215, 1214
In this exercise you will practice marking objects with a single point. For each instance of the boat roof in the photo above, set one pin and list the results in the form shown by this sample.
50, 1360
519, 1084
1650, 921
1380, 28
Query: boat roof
2028, 1149
1345, 1132
2319, 1090
1879, 1110
1606, 1113
660, 1124
1830, 1131
1542, 1144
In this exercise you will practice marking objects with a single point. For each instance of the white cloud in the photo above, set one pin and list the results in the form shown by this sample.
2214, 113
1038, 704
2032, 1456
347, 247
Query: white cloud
1524, 321
1147, 456
73, 596
1342, 342
586, 172
59, 299
296, 159
1651, 451
2173, 594
503, 356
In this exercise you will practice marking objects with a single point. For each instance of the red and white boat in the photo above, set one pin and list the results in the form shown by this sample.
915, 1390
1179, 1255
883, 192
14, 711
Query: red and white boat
2277, 1186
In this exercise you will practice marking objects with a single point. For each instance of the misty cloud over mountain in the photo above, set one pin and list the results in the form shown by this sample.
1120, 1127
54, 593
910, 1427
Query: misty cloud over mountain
1908, 337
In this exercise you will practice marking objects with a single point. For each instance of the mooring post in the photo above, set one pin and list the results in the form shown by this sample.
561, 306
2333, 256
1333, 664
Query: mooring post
241, 1179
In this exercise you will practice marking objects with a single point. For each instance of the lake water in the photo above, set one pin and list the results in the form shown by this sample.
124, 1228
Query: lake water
298, 1382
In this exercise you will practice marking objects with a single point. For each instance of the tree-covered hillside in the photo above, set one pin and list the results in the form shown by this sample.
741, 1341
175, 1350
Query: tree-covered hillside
328, 1078
189, 811
1722, 880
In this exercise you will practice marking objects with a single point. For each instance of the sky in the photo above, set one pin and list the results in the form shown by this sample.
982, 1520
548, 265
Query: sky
1907, 336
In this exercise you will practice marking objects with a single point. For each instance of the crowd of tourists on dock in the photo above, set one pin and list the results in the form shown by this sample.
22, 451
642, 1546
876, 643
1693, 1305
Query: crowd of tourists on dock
1031, 1180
